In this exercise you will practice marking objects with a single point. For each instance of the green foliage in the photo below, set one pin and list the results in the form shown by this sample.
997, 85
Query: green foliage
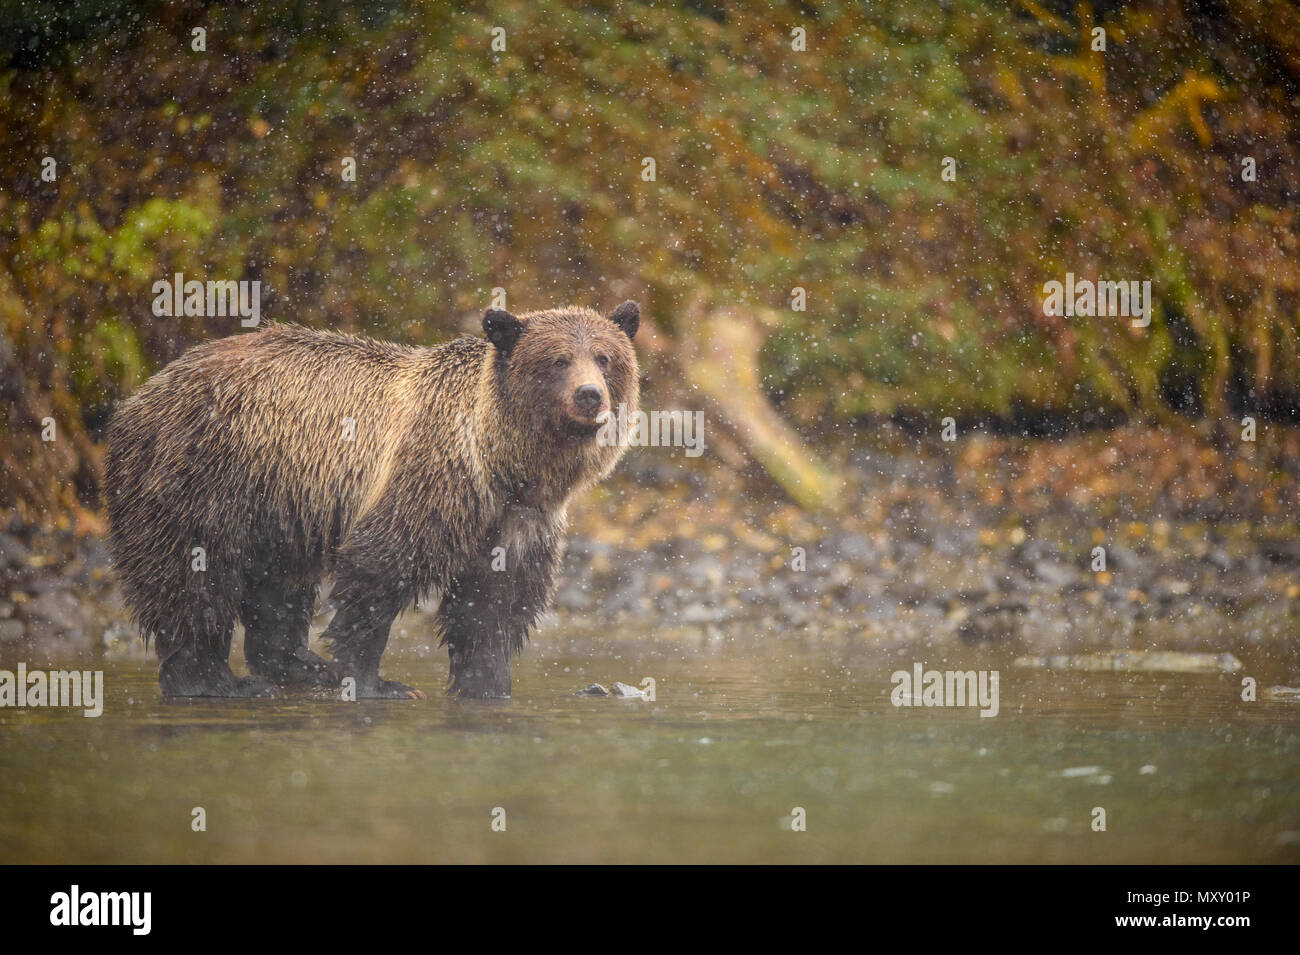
775, 169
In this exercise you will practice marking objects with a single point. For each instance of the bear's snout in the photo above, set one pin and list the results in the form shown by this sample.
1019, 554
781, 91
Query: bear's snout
588, 400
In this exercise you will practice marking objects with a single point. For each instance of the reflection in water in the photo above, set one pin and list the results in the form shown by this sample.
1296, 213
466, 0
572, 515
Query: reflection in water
712, 770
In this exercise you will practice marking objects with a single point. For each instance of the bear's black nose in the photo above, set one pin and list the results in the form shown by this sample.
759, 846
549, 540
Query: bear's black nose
587, 398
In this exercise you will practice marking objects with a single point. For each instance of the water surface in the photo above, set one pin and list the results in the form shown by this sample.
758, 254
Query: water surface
711, 771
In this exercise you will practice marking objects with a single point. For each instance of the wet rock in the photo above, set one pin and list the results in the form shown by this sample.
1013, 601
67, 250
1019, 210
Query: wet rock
1285, 552
1221, 597
121, 641
1167, 591
1015, 581
841, 576
1041, 561
624, 692
1119, 596
1054, 574
573, 596
586, 548
906, 519
1219, 559
1136, 661
796, 615
657, 472
805, 585
699, 613
59, 614
706, 571
593, 689
44, 583
13, 552
849, 546
1119, 557
90, 566
909, 593
629, 598
1030, 551
996, 623
1254, 566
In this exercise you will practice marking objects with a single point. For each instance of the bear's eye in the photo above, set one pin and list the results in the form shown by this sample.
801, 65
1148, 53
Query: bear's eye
602, 361
561, 363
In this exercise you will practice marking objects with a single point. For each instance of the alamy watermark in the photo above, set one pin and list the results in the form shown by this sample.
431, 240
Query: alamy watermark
72, 688
176, 297
922, 687
74, 907
1087, 298
658, 429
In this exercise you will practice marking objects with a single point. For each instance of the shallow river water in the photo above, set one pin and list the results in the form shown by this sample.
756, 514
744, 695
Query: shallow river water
711, 771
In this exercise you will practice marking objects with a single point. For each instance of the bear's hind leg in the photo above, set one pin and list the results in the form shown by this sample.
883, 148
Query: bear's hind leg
358, 635
276, 622
194, 664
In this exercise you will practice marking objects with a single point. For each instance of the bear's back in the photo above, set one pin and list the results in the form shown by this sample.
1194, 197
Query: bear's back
284, 424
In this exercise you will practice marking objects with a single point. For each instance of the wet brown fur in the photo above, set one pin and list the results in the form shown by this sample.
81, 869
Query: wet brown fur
238, 447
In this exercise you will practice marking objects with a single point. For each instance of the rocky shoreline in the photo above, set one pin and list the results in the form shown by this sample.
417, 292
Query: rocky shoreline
939, 548
991, 542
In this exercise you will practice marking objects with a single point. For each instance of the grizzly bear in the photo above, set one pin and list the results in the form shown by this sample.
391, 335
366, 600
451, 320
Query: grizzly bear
253, 466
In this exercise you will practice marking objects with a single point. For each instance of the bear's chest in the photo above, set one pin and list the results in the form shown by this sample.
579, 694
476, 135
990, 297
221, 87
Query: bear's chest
524, 530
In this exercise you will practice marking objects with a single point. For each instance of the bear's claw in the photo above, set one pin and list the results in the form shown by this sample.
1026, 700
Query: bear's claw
391, 690
250, 687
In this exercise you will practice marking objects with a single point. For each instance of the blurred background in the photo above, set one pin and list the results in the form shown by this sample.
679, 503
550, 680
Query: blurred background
776, 169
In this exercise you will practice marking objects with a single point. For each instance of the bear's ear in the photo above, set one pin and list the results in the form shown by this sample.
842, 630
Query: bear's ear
502, 329
627, 317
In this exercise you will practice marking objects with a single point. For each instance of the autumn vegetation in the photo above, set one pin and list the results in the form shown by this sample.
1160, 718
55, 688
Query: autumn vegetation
775, 169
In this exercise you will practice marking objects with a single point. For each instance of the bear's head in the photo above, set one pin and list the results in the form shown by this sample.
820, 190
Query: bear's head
566, 368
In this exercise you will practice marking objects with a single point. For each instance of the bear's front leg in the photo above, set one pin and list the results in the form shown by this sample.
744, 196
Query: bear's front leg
477, 630
486, 612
